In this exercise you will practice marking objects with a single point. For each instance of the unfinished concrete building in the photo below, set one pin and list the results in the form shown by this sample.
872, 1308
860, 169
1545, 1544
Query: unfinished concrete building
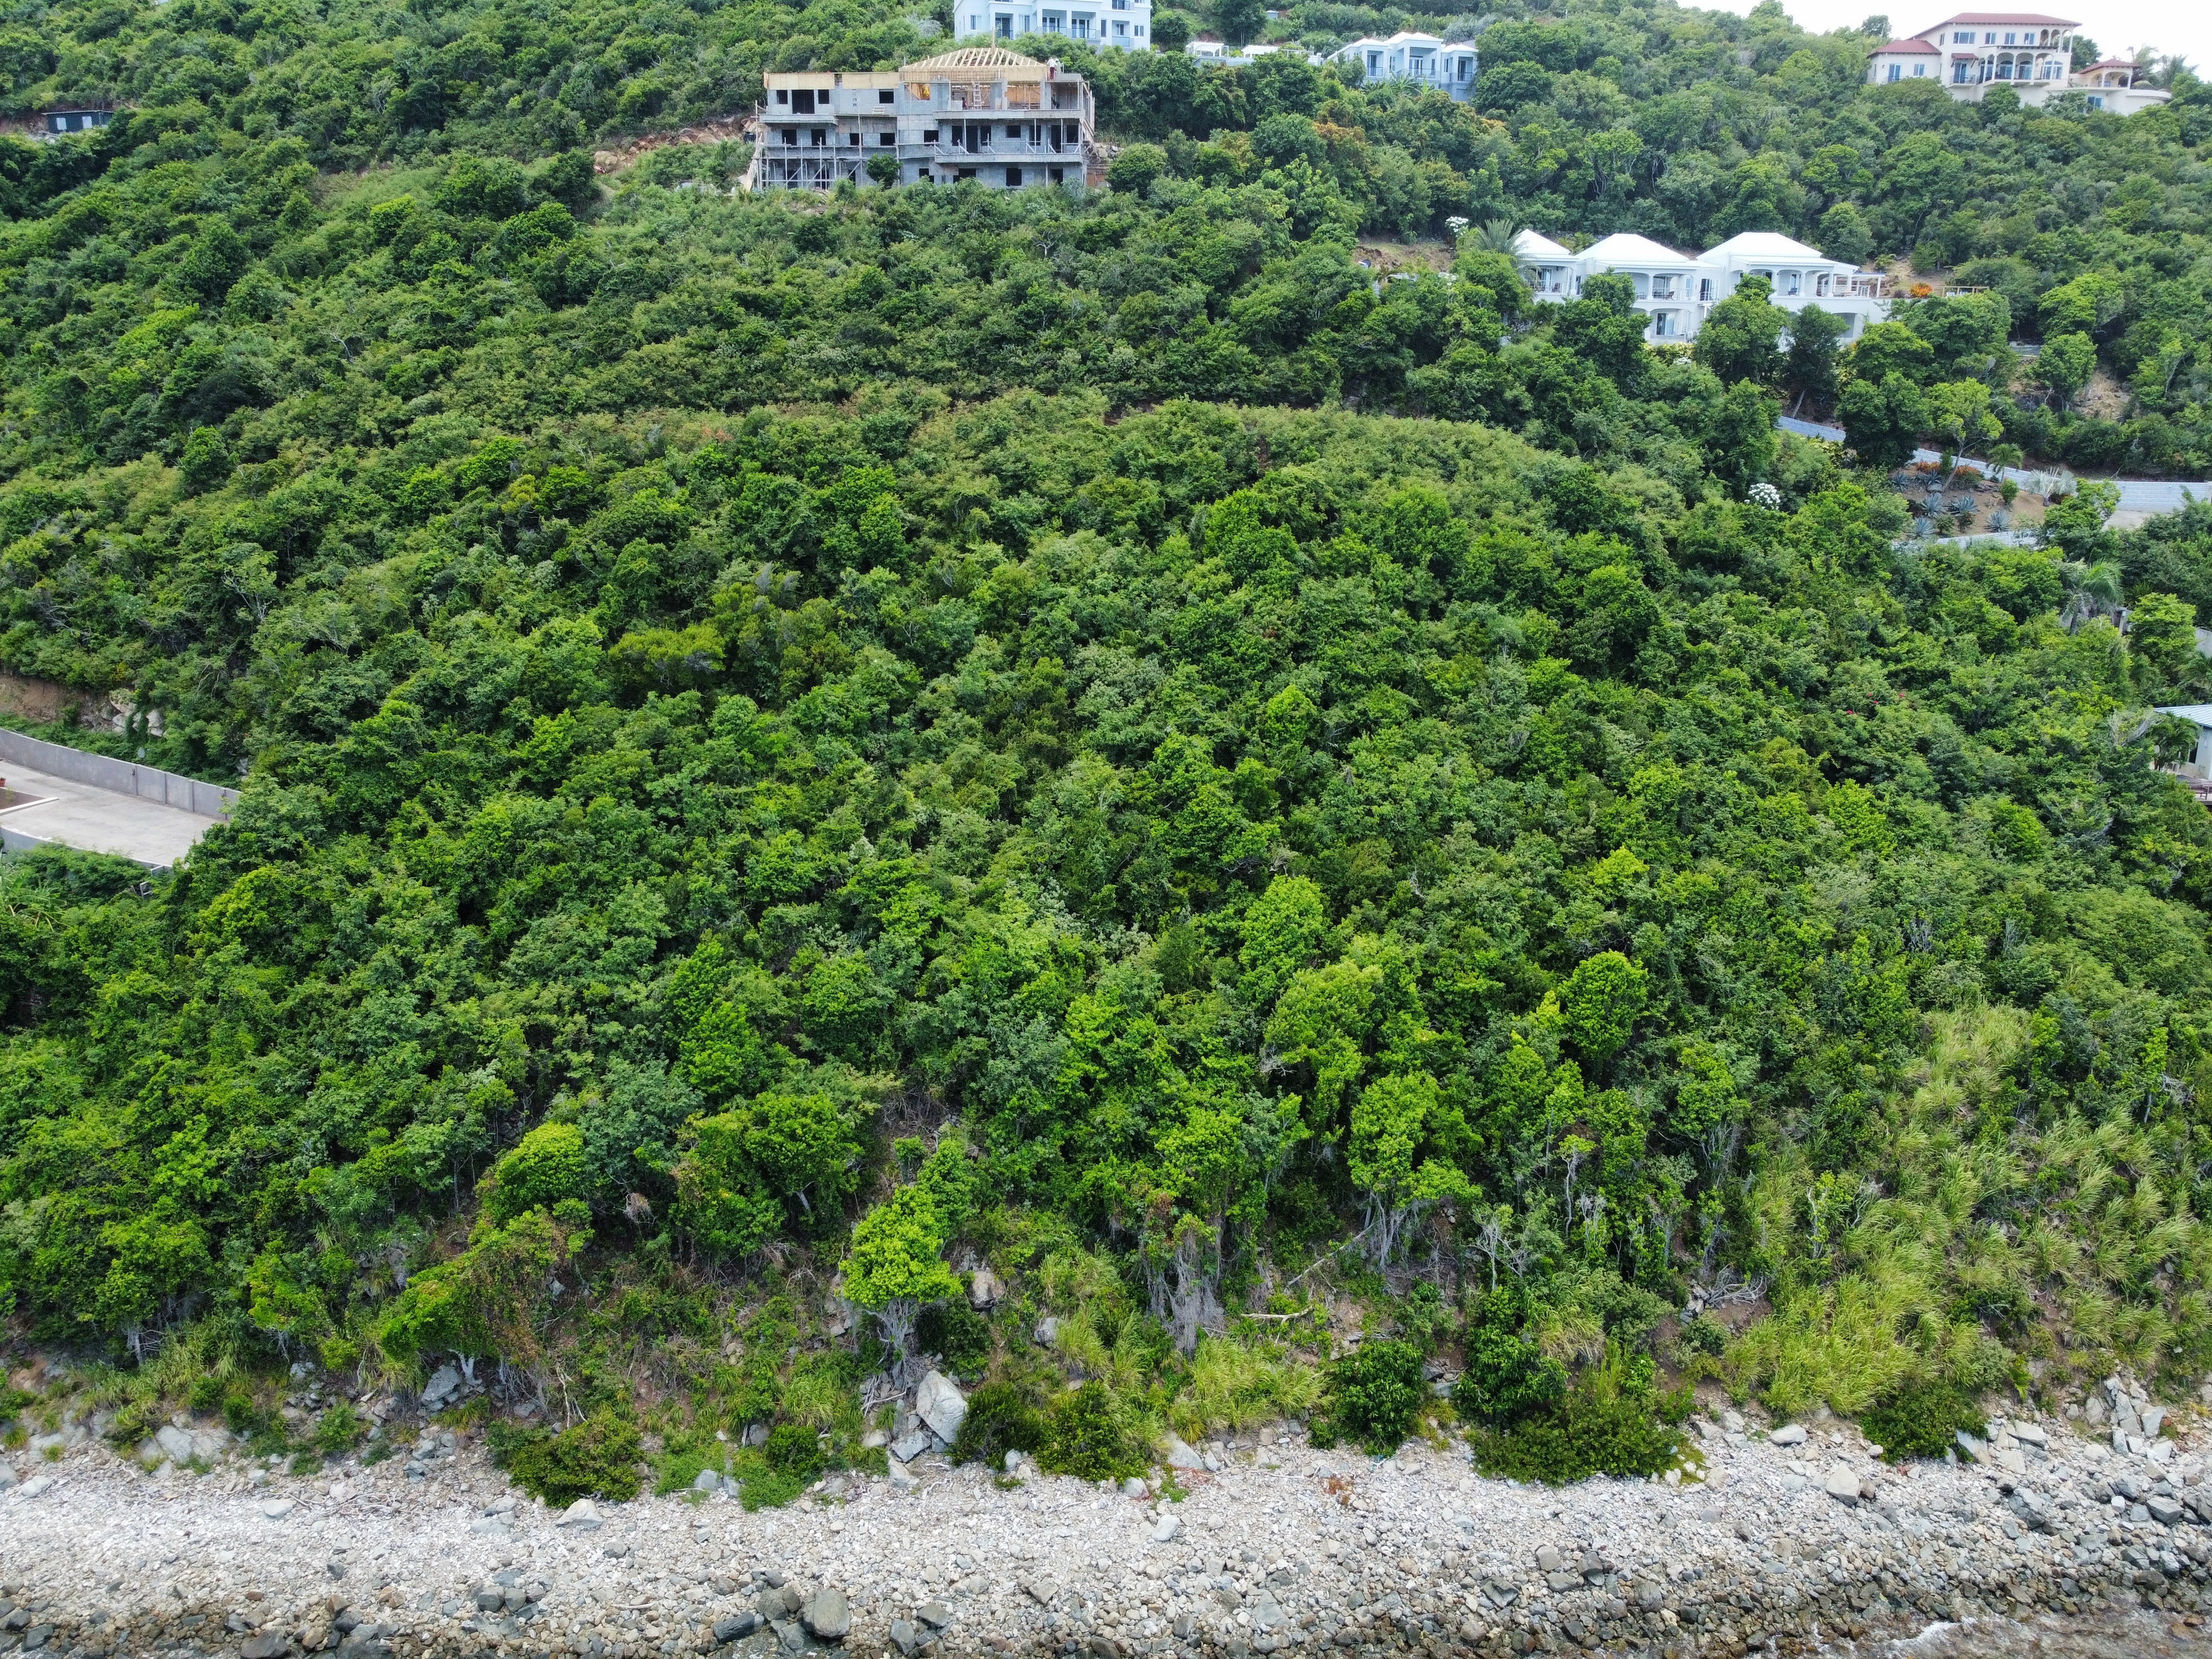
980, 112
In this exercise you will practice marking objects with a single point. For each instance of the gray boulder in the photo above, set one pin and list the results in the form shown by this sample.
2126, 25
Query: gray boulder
1841, 1484
176, 1444
736, 1627
935, 1615
939, 1403
1181, 1455
8, 1476
905, 1637
908, 1447
445, 1382
827, 1615
583, 1515
778, 1602
1790, 1434
1047, 1332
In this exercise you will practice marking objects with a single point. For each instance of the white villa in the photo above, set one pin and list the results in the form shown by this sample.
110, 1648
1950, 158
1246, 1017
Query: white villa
1114, 25
1677, 291
1216, 54
2025, 50
1446, 65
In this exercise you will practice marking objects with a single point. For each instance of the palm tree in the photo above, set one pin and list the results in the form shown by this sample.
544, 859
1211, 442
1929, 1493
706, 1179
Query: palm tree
2092, 590
1494, 237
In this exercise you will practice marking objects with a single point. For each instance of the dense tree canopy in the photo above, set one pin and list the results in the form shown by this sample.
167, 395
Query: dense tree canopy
830, 724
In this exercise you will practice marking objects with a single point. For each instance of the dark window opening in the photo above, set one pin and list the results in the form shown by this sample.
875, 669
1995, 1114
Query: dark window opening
884, 95
783, 97
802, 101
1013, 178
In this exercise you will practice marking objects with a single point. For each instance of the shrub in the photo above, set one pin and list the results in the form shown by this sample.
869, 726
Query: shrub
205, 1392
1507, 1376
1705, 1335
1001, 1419
1607, 1422
1088, 1438
1922, 1418
1376, 1395
597, 1458
792, 1449
546, 1167
133, 1421
957, 1335
242, 1415
340, 1430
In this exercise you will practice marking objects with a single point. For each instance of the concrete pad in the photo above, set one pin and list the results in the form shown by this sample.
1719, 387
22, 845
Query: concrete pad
97, 820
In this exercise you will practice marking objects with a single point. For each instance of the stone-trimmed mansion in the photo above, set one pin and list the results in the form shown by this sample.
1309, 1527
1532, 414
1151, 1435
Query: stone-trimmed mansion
2025, 50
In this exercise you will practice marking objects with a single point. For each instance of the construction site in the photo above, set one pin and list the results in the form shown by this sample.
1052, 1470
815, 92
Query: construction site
979, 113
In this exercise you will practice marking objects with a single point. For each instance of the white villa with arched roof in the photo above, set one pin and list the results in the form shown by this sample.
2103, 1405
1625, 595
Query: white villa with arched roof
1677, 291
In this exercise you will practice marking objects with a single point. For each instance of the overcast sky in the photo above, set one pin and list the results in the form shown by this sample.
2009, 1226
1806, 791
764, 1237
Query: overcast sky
2117, 26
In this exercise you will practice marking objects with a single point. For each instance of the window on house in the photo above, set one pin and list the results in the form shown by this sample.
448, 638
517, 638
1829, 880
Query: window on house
1894, 70
1121, 29
929, 135
1704, 288
1059, 175
1963, 37
1080, 26
1006, 25
888, 140
1013, 178
852, 141
782, 97
1919, 69
885, 95
1374, 63
1990, 39
1055, 23
2008, 37
791, 134
802, 101
818, 138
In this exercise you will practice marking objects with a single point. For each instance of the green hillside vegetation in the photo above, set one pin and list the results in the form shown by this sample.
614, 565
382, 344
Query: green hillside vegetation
795, 747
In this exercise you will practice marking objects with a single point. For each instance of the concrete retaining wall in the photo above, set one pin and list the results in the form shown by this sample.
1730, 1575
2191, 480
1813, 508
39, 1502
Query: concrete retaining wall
125, 777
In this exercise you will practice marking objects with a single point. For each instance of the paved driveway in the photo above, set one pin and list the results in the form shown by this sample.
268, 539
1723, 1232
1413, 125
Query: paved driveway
97, 820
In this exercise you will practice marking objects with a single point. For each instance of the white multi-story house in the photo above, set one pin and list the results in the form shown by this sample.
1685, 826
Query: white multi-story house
1114, 25
1677, 291
2029, 52
1427, 59
977, 112
2025, 50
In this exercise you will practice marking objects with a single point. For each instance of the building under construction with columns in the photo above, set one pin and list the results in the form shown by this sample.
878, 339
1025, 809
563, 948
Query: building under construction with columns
982, 113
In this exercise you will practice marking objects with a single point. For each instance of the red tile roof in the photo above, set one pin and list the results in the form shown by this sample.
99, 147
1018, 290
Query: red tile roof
1908, 46
2034, 17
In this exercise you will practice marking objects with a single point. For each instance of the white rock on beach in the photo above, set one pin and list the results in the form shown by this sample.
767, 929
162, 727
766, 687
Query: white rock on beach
941, 1405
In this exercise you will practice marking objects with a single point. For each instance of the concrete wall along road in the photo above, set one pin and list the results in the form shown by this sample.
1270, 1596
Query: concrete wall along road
207, 800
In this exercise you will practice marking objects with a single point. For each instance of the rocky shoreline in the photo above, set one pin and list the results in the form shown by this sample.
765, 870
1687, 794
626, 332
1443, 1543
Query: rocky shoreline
1774, 1541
